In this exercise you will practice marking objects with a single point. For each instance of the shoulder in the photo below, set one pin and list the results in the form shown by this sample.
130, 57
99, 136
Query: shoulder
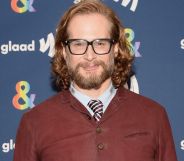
50, 106
143, 110
138, 102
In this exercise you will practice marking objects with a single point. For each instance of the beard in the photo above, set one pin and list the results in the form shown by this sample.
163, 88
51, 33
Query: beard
91, 80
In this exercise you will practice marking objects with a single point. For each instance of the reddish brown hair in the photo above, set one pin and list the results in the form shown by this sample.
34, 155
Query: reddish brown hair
123, 60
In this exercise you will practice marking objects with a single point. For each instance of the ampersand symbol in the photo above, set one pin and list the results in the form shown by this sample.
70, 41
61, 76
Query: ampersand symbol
21, 101
130, 35
25, 5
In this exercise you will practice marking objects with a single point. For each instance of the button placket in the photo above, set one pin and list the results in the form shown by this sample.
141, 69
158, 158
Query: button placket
100, 146
98, 130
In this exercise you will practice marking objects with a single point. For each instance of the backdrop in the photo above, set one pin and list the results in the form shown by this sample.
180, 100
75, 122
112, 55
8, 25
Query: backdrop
155, 30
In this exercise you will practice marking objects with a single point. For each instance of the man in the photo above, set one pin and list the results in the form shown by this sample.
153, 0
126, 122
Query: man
94, 118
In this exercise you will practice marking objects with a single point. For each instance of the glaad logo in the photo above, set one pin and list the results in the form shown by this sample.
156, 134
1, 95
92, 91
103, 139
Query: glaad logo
6, 48
132, 84
49, 44
182, 145
123, 3
6, 147
21, 6
30, 47
21, 101
130, 37
126, 2
182, 44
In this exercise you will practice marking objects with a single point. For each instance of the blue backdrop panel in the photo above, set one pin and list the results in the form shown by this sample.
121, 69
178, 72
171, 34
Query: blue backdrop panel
154, 29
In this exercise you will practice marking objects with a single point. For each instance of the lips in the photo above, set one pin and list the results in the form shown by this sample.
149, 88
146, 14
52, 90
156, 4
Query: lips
91, 67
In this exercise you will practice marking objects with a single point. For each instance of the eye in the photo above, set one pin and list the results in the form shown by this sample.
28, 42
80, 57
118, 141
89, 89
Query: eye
78, 43
101, 43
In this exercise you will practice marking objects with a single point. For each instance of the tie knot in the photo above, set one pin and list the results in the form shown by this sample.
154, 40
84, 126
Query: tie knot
97, 107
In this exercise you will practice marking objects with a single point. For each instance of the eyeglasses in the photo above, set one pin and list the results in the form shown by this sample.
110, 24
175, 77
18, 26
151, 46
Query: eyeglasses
80, 46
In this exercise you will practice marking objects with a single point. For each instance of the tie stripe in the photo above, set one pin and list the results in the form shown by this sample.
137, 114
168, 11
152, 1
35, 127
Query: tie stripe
97, 107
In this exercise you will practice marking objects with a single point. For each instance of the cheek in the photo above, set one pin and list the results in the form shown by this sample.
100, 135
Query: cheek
72, 61
109, 59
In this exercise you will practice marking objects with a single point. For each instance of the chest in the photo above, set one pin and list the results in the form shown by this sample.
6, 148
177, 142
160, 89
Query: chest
78, 138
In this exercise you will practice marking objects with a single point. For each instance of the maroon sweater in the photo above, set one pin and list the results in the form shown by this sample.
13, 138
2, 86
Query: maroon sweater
133, 128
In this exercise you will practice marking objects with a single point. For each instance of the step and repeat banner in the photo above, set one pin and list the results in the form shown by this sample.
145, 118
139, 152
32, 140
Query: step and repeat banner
155, 30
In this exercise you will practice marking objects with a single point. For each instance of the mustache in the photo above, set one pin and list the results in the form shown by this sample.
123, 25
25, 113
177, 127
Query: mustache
88, 64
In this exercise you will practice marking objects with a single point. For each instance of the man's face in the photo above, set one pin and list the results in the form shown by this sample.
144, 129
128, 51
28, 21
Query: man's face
90, 70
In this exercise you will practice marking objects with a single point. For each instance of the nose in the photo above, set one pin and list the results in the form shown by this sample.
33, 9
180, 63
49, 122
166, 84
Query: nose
90, 54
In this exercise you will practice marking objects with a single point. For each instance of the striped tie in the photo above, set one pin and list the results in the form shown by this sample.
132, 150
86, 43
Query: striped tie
97, 108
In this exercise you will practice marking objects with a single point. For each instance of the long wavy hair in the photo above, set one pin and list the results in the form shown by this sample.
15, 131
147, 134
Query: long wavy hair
123, 59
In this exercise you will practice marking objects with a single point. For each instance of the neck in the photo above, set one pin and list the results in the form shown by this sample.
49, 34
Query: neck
94, 93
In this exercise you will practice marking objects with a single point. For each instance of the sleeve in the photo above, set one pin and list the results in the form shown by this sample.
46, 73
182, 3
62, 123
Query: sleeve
25, 143
166, 148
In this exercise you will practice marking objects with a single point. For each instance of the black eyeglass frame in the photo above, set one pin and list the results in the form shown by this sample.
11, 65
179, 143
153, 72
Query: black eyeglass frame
67, 43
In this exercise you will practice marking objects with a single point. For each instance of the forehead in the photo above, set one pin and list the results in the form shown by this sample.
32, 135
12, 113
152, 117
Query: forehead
89, 26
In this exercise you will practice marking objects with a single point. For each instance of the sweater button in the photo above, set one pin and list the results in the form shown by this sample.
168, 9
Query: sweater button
100, 146
98, 130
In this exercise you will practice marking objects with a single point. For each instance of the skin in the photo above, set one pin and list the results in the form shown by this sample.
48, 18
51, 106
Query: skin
90, 27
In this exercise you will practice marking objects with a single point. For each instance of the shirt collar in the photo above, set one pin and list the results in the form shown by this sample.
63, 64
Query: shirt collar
84, 99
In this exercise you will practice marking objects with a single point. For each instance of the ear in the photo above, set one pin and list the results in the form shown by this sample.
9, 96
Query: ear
64, 52
116, 49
